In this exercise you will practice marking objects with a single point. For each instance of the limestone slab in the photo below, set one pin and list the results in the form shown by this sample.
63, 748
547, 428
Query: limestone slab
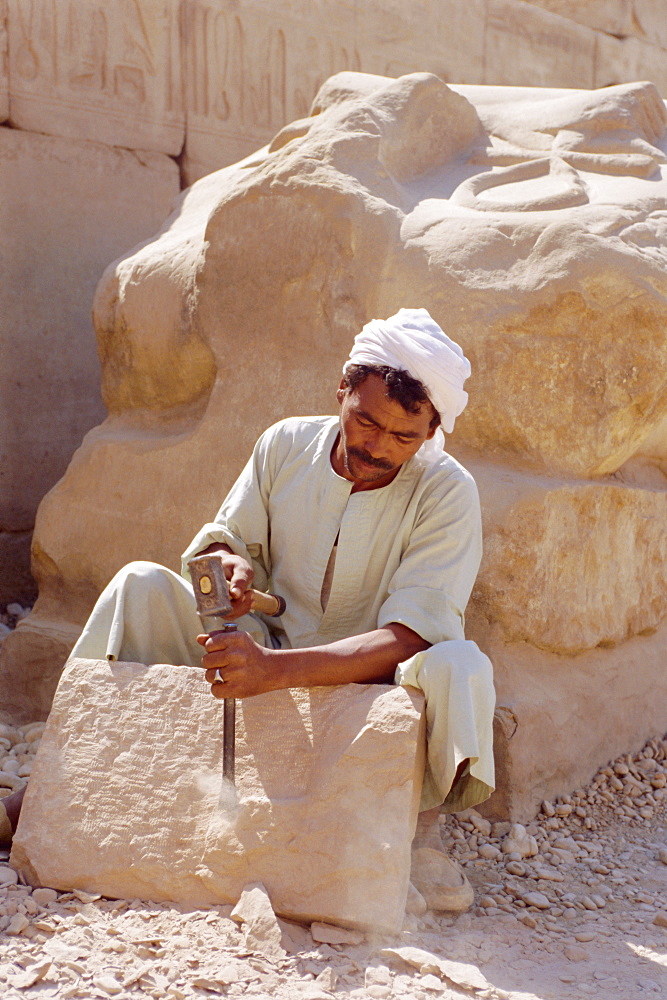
91, 70
69, 208
126, 796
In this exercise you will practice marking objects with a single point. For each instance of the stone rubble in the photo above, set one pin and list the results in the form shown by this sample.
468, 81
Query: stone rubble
584, 915
11, 616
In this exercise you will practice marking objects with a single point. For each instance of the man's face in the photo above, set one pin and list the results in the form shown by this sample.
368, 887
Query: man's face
376, 434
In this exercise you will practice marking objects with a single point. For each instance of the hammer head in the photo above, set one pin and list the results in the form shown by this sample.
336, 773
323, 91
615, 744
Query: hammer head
210, 585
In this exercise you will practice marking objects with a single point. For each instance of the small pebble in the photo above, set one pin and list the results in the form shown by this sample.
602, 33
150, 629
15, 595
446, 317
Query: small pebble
515, 868
18, 924
537, 899
8, 876
576, 954
108, 984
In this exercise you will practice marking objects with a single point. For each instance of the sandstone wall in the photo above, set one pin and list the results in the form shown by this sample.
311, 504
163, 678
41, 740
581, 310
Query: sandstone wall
207, 82
531, 224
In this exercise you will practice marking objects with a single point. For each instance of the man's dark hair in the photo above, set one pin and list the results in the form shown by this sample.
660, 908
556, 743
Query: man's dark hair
401, 386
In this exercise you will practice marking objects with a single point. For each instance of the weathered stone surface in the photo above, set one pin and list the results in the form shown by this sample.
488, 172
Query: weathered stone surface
639, 18
126, 795
69, 208
91, 71
524, 47
629, 59
568, 566
548, 737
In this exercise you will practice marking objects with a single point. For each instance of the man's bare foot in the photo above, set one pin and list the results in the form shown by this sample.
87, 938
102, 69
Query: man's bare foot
427, 833
11, 805
440, 881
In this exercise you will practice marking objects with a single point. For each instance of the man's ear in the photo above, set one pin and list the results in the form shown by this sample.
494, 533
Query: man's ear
342, 391
431, 431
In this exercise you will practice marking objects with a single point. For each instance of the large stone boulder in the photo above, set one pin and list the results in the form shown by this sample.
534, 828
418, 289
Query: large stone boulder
531, 224
127, 796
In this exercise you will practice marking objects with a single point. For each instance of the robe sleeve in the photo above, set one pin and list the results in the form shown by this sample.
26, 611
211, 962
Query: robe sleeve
242, 522
430, 589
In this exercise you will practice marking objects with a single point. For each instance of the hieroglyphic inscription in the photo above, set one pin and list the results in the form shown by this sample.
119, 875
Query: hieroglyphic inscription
249, 71
90, 69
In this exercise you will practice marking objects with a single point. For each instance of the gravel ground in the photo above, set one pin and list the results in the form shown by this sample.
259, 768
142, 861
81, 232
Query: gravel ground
573, 905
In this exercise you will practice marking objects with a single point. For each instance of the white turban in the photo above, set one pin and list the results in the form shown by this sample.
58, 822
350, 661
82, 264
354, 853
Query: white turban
412, 341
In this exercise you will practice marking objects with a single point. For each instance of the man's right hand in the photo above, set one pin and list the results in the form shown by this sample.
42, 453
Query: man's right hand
239, 575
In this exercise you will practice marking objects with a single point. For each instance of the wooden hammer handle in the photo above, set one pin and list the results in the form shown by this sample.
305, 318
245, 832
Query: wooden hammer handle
268, 604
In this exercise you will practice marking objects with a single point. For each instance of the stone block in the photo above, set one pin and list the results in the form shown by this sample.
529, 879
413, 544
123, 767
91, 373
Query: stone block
529, 47
69, 208
126, 796
623, 18
611, 16
619, 59
560, 718
568, 566
91, 70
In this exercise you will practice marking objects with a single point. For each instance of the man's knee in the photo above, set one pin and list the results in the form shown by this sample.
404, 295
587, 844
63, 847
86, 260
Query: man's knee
143, 574
454, 658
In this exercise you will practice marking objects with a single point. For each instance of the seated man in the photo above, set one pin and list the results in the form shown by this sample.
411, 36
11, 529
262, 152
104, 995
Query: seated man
372, 534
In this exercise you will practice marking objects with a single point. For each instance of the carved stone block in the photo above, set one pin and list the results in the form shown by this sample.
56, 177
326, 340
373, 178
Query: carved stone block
93, 70
127, 798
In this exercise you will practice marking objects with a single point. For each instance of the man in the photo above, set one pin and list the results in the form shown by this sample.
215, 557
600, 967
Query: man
372, 534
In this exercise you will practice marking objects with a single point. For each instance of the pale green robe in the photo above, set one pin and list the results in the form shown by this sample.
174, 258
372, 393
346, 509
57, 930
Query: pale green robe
408, 552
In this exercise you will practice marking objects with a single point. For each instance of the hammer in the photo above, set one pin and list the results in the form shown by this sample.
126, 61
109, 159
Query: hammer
213, 604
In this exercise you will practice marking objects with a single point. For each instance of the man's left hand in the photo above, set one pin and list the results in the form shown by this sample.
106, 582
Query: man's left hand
245, 666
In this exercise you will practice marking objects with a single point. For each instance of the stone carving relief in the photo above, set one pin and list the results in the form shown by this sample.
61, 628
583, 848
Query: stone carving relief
81, 69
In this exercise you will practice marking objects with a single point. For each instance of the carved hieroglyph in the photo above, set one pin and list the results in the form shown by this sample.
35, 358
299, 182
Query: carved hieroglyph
531, 223
127, 797
100, 71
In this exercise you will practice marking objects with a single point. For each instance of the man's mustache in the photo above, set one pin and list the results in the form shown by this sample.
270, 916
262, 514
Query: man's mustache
378, 463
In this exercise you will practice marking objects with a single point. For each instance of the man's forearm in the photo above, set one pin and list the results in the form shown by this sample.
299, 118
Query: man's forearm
360, 659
